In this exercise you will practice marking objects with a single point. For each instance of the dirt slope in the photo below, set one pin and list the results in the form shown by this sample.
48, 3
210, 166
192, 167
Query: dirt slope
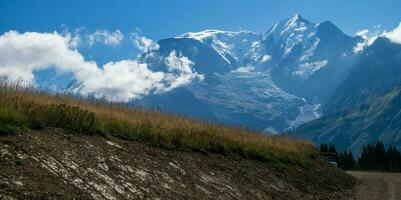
53, 165
377, 186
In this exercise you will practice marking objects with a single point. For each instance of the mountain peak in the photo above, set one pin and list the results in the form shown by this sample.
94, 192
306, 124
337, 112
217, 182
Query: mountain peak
292, 26
328, 30
295, 20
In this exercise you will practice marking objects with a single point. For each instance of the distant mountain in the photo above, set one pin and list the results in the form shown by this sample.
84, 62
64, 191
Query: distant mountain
376, 72
178, 101
269, 82
237, 48
309, 59
378, 119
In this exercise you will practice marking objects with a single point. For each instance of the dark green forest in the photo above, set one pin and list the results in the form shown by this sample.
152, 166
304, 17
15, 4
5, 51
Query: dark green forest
374, 157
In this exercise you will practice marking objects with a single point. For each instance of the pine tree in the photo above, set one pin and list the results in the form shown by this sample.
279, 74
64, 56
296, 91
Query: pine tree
324, 148
332, 149
380, 156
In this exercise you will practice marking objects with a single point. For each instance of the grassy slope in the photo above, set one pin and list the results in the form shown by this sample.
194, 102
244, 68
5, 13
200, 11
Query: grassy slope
29, 109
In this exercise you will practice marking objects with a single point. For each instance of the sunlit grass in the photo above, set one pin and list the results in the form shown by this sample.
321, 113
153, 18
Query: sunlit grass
27, 108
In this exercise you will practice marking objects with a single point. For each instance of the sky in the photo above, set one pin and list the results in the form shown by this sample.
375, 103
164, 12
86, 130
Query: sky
167, 18
97, 42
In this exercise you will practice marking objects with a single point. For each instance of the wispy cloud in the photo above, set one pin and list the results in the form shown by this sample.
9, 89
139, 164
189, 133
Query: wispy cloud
368, 38
142, 43
105, 37
21, 54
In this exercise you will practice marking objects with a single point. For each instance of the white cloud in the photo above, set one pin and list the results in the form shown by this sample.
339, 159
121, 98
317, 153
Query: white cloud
180, 72
247, 69
394, 35
122, 81
106, 37
21, 54
142, 43
266, 58
128, 79
363, 33
368, 38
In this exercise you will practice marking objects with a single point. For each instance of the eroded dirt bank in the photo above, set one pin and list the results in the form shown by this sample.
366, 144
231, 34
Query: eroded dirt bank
53, 165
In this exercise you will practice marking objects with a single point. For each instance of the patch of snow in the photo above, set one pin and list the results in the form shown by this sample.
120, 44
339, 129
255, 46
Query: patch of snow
227, 44
307, 113
308, 53
307, 69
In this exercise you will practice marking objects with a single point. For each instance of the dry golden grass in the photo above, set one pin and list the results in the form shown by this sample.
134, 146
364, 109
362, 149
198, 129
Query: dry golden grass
28, 108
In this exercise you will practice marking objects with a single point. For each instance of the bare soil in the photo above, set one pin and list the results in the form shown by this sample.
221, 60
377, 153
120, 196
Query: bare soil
377, 186
54, 165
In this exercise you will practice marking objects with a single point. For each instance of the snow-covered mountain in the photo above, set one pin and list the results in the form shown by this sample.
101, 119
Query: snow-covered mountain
231, 93
309, 59
269, 82
235, 47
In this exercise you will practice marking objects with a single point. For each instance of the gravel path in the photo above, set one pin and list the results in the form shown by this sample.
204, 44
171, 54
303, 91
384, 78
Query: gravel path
378, 186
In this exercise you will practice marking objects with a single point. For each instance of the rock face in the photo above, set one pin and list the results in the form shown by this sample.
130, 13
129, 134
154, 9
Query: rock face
54, 165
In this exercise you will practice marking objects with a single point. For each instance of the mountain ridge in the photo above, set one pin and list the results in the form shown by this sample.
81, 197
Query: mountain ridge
351, 129
243, 60
271, 81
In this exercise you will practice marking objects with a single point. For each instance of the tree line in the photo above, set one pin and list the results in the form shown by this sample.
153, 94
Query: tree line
374, 157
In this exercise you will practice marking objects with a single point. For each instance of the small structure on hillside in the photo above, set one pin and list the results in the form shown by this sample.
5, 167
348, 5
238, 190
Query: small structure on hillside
330, 157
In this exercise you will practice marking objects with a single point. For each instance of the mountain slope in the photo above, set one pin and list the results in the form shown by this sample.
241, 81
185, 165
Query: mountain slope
234, 94
378, 119
376, 72
234, 47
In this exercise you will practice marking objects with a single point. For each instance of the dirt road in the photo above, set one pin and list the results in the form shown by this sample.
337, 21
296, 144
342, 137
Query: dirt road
378, 186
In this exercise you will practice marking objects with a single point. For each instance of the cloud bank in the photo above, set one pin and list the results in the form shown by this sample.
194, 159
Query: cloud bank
22, 54
395, 34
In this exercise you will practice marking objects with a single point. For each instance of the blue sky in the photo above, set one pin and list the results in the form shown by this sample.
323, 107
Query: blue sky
165, 18
97, 42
